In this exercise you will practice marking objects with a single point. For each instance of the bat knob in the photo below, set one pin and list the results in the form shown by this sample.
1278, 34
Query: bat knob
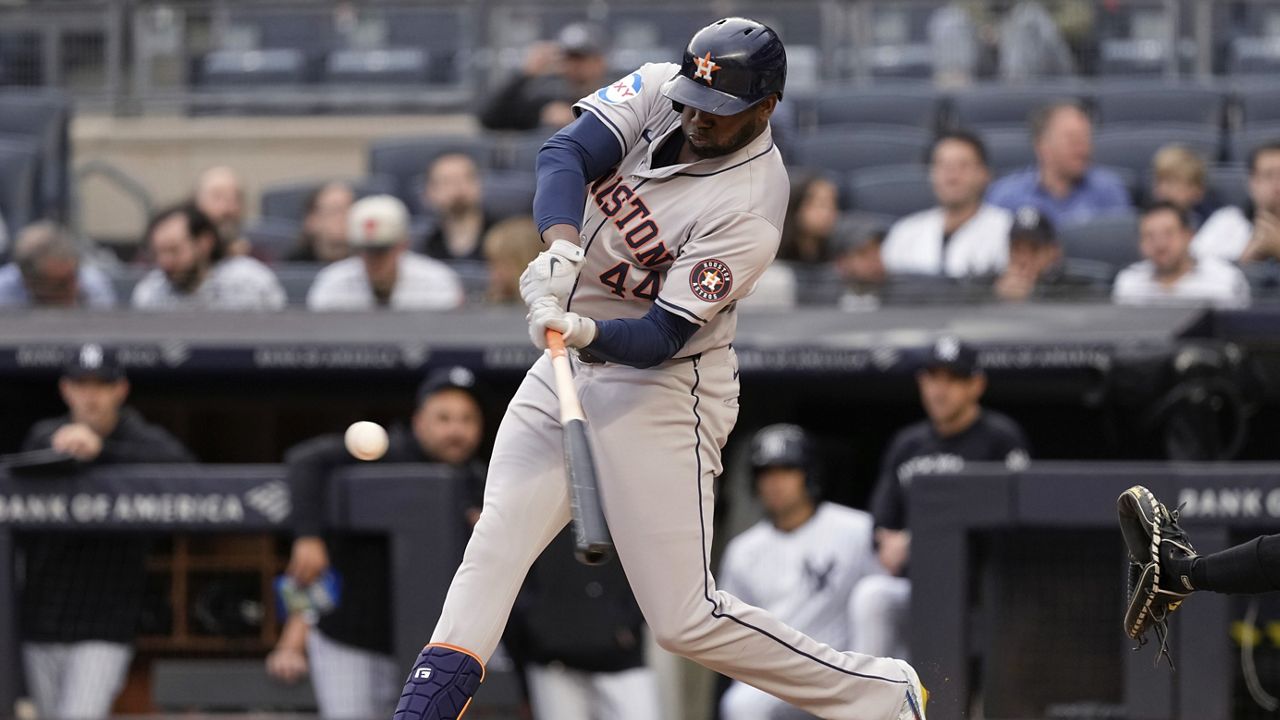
593, 556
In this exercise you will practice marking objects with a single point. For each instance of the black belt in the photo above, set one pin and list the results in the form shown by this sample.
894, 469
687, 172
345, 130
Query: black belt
589, 358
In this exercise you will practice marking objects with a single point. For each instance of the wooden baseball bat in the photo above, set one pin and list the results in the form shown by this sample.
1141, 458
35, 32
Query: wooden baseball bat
592, 543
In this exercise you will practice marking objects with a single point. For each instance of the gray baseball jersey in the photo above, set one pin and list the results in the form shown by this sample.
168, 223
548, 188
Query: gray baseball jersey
694, 238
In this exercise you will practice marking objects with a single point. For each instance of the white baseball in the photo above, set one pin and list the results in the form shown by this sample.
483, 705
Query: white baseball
366, 440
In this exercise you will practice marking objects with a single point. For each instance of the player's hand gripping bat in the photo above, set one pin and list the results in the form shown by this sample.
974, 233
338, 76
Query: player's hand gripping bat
592, 543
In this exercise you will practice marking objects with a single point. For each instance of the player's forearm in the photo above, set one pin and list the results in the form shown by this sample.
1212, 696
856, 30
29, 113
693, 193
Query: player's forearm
642, 342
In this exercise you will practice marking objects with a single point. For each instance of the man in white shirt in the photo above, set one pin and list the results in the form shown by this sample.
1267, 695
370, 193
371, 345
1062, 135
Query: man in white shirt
193, 270
1241, 235
963, 236
384, 273
1170, 274
799, 563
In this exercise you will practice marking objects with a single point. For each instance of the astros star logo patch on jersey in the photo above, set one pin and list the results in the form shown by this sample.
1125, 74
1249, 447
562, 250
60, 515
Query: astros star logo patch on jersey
706, 66
711, 280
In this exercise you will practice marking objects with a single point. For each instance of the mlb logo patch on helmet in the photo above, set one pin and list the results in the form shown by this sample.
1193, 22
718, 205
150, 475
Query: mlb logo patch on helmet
711, 280
623, 90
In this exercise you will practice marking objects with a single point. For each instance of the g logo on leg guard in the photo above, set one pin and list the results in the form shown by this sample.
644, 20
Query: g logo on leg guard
441, 684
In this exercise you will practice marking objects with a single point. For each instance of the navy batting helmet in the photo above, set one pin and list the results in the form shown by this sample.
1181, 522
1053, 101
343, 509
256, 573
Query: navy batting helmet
786, 445
729, 66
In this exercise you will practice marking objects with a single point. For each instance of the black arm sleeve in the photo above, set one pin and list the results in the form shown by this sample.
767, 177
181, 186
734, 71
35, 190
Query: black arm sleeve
308, 467
511, 106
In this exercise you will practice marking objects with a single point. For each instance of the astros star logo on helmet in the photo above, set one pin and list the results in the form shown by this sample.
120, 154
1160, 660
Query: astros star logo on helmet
706, 66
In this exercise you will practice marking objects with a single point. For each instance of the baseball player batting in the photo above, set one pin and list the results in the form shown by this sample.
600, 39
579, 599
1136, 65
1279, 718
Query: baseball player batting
684, 197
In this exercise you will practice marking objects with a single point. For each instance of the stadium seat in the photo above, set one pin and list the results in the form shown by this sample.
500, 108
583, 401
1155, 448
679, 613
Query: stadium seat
1244, 141
1255, 56
509, 193
1133, 147
506, 193
273, 238
254, 67
843, 149
300, 28
1112, 240
1229, 184
288, 201
1258, 102
393, 66
1008, 149
911, 106
642, 26
894, 190
296, 278
403, 159
19, 163
1158, 103
44, 117
444, 33
1003, 106
520, 151
909, 61
1130, 57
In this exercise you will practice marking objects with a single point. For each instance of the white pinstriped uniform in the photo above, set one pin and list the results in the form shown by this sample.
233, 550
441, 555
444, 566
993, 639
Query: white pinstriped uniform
75, 681
694, 238
351, 683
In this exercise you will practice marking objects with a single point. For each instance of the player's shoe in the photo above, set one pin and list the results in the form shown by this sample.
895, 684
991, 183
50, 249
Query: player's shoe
917, 696
440, 685
1152, 534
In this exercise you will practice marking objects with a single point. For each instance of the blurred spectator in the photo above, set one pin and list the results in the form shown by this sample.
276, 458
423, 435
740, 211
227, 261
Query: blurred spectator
1179, 176
4, 236
1063, 185
509, 247
454, 193
1170, 274
963, 236
579, 634
800, 563
82, 592
554, 77
812, 212
348, 651
47, 272
958, 430
324, 227
193, 270
1248, 234
384, 273
1032, 45
219, 195
856, 249
1036, 268
954, 44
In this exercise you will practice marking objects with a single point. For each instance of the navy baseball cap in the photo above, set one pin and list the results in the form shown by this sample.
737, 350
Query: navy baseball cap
449, 378
582, 39
1031, 224
93, 362
951, 353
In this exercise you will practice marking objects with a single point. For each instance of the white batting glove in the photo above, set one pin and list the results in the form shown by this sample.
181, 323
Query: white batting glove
552, 273
545, 313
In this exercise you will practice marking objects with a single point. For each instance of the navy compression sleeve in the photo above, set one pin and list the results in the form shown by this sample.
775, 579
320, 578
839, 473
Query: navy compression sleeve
580, 153
642, 342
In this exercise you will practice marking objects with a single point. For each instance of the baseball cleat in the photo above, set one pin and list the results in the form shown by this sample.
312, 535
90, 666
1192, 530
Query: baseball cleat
917, 696
440, 685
